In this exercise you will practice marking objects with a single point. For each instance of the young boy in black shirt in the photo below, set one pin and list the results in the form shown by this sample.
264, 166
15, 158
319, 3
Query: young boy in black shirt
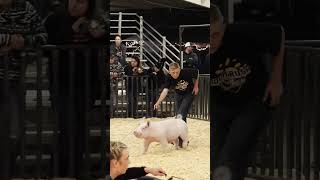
242, 89
185, 83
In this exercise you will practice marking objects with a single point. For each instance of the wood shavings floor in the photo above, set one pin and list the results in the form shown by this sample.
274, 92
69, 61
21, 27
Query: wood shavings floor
192, 163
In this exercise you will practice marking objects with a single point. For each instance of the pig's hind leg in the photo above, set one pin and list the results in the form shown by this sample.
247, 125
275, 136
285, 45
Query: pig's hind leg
164, 143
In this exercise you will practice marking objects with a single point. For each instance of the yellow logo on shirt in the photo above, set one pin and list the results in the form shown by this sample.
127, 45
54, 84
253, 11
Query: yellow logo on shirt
182, 85
231, 78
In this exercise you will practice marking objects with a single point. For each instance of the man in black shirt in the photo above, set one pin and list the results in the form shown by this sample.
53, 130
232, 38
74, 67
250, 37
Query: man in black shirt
185, 83
242, 89
189, 57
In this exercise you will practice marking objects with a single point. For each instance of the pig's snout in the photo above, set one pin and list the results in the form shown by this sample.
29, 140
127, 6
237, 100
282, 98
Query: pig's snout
137, 134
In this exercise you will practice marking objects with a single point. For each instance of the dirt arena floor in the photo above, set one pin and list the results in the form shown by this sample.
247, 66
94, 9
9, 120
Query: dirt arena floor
192, 163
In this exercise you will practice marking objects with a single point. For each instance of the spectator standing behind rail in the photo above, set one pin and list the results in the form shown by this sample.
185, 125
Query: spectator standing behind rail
189, 57
134, 73
116, 74
71, 26
119, 50
20, 27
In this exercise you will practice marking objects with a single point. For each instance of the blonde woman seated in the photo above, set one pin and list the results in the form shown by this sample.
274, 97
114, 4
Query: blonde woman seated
119, 161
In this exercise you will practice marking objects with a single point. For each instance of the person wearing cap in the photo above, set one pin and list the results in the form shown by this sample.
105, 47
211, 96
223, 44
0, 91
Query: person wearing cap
243, 89
189, 57
119, 162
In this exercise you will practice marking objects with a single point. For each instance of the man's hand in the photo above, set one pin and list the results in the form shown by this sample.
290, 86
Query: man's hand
155, 171
195, 90
273, 91
16, 41
76, 25
156, 106
140, 70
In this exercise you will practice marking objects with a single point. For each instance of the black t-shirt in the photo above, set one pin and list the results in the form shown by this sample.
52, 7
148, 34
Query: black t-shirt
131, 173
238, 72
185, 82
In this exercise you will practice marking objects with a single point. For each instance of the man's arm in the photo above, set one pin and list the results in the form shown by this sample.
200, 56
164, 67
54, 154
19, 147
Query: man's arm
163, 95
196, 83
274, 87
195, 60
277, 62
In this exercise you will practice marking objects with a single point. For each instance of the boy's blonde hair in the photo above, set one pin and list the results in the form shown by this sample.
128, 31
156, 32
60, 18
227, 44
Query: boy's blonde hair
116, 149
174, 65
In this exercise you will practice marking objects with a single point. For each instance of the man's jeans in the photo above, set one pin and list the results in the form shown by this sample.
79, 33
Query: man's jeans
183, 104
233, 134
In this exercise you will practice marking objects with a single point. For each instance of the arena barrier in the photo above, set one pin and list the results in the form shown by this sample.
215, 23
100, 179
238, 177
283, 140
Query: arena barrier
134, 96
289, 148
38, 155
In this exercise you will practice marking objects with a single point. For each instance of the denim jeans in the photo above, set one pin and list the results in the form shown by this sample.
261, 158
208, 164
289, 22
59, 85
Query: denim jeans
233, 134
183, 104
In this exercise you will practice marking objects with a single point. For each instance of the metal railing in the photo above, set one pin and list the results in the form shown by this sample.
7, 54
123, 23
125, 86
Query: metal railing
135, 97
152, 45
289, 147
47, 102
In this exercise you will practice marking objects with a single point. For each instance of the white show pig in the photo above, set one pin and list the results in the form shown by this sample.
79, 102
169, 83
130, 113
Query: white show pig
166, 131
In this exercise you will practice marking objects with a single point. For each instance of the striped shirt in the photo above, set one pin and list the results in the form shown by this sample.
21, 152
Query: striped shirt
22, 18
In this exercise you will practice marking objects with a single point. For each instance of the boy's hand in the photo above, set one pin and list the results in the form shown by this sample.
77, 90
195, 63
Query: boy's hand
273, 91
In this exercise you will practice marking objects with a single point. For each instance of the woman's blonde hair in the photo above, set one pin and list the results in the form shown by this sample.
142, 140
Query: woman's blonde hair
116, 149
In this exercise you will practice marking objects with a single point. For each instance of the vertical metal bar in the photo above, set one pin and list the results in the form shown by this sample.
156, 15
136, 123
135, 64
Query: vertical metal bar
22, 114
298, 119
120, 23
279, 141
5, 135
71, 114
127, 96
306, 117
86, 130
132, 79
316, 138
141, 38
272, 148
147, 91
105, 120
181, 29
152, 96
56, 76
39, 115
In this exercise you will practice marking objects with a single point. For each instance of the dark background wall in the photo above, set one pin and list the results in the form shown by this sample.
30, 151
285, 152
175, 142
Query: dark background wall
301, 18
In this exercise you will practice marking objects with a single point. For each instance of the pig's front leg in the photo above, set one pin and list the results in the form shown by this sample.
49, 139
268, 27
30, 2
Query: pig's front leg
146, 145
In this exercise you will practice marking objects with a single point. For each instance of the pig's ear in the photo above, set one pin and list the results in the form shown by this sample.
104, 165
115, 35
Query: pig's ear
148, 123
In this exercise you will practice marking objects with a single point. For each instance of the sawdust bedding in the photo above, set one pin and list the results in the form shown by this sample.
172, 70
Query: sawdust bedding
192, 163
